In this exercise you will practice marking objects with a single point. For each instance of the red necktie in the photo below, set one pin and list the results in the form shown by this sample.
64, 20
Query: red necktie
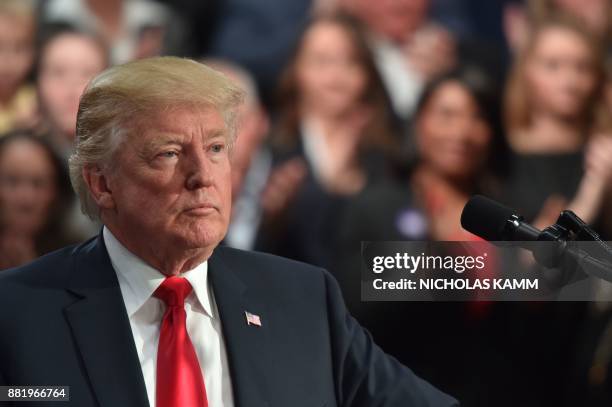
179, 376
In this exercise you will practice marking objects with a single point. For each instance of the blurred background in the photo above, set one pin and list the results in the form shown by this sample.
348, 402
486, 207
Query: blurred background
365, 120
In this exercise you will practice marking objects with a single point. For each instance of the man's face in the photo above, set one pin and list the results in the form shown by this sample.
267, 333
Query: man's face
171, 182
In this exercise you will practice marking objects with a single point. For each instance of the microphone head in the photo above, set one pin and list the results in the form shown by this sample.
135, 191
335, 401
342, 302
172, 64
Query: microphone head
485, 218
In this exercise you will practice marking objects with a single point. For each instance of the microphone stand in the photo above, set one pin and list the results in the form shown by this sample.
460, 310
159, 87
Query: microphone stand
567, 253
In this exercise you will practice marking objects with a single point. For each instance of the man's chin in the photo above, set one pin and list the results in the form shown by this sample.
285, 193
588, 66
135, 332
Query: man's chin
201, 240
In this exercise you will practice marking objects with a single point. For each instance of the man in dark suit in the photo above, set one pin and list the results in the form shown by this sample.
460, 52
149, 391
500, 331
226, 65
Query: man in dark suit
152, 311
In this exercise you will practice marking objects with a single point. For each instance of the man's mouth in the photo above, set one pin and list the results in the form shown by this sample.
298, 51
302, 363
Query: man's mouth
201, 209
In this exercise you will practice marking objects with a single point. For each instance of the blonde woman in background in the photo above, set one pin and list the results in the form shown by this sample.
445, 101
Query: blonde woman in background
557, 124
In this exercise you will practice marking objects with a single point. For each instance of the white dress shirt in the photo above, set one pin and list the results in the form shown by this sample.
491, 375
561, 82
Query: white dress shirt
138, 281
403, 84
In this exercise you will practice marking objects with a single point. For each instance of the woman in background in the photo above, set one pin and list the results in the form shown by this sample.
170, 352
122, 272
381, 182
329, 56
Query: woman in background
34, 192
458, 145
333, 109
68, 60
334, 117
560, 133
457, 149
557, 124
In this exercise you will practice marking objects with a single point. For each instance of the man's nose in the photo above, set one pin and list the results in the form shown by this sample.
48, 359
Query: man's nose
199, 172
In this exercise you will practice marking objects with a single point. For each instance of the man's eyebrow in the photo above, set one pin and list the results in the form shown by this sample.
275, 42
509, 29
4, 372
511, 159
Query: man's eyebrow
163, 140
217, 133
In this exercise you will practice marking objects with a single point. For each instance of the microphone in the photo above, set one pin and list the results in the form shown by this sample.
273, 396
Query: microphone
493, 221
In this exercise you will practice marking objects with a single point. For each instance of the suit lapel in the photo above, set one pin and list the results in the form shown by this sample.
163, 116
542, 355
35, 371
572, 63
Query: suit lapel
247, 345
101, 330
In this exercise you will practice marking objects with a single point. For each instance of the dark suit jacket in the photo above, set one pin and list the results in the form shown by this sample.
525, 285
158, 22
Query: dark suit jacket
63, 322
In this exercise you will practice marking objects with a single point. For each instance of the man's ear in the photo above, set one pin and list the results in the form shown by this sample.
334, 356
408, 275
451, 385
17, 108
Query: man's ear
97, 181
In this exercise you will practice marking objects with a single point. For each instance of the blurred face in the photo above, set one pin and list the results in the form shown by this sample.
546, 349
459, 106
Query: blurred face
27, 188
453, 136
395, 19
16, 51
560, 74
172, 181
330, 77
67, 64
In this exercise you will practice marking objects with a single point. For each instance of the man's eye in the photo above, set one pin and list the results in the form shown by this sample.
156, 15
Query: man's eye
168, 154
217, 148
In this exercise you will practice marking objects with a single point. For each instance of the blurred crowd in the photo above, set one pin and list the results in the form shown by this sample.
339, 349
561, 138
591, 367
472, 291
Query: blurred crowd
365, 120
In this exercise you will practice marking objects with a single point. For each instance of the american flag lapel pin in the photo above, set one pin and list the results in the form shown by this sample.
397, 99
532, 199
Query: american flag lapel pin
252, 319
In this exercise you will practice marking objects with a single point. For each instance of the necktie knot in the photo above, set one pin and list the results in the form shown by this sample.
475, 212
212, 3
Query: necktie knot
173, 291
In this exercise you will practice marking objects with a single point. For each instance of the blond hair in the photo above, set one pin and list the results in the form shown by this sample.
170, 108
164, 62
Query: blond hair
122, 96
544, 9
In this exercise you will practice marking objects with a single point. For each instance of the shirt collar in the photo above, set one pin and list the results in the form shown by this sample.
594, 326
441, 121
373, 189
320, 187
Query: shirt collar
138, 280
